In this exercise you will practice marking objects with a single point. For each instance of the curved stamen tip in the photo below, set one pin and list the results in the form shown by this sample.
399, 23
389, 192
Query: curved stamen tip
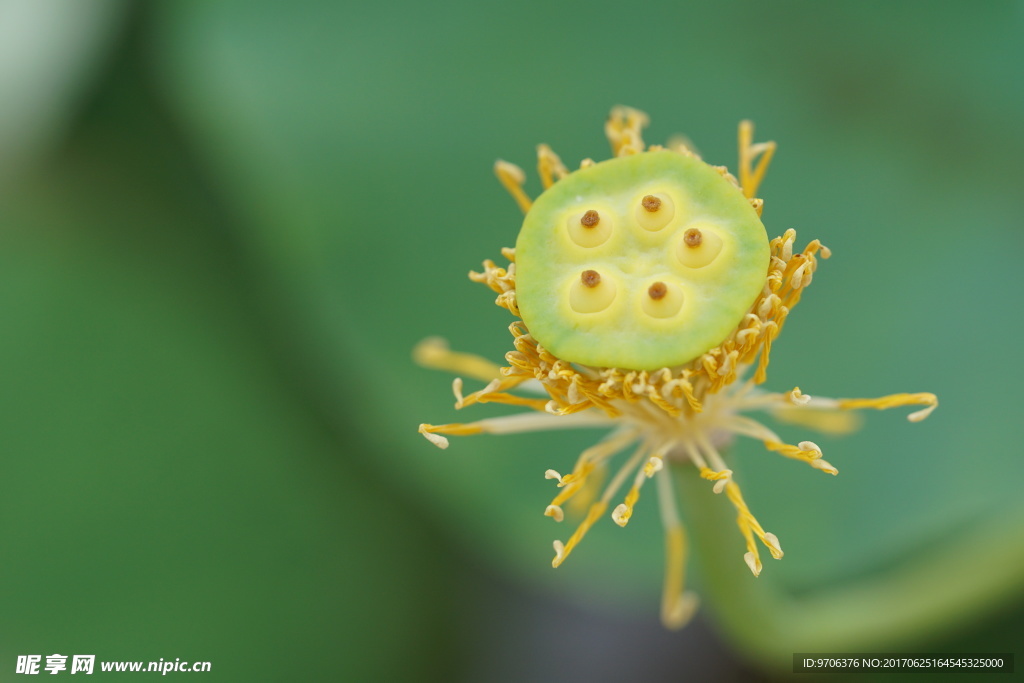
552, 474
922, 414
554, 512
621, 514
773, 545
460, 400
810, 447
797, 397
559, 554
753, 562
435, 439
552, 408
653, 466
679, 614
824, 466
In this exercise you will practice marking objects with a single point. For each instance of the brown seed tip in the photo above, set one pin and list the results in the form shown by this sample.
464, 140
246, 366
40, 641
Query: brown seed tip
657, 291
590, 278
651, 203
692, 237
590, 219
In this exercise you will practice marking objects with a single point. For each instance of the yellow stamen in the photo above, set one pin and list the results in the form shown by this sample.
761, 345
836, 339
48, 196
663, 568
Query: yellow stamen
554, 512
562, 551
507, 424
822, 419
434, 353
623, 130
683, 145
720, 478
483, 396
454, 429
587, 491
653, 465
771, 330
677, 607
808, 451
589, 459
750, 527
571, 483
623, 511
894, 401
549, 163
512, 177
750, 180
797, 397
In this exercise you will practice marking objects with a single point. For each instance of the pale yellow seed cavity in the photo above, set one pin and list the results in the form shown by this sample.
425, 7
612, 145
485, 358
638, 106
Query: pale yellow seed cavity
591, 293
590, 228
699, 247
662, 299
655, 211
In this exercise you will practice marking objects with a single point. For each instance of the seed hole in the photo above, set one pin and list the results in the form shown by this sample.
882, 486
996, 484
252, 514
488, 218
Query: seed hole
590, 218
654, 211
590, 278
693, 237
657, 291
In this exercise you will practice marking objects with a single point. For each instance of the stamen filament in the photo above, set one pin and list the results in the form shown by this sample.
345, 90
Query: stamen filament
677, 607
895, 401
562, 551
655, 463
588, 460
510, 424
746, 426
825, 420
434, 353
750, 180
548, 164
807, 451
745, 519
720, 478
512, 178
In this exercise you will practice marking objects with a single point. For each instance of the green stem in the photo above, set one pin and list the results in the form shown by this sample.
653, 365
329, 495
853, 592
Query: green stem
947, 586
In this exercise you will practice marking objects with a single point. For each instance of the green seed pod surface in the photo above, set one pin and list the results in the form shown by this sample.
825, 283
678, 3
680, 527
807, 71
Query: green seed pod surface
639, 262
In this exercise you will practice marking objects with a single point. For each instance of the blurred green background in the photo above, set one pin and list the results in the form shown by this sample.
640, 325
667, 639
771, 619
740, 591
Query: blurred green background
224, 226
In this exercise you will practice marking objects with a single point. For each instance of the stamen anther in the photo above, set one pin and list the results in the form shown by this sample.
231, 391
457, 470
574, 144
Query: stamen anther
753, 563
555, 512
559, 553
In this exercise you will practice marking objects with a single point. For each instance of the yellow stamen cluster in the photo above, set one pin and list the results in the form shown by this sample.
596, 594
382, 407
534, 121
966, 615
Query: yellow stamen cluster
682, 414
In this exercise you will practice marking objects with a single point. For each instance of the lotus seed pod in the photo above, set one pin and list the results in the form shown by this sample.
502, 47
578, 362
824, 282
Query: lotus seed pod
651, 260
639, 262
